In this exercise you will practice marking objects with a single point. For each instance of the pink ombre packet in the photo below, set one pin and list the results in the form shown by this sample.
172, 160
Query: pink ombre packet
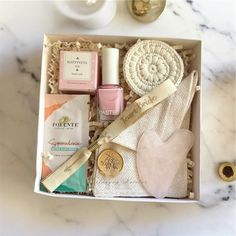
66, 130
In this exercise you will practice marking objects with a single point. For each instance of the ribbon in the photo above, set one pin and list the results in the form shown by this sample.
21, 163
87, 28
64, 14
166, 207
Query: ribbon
129, 116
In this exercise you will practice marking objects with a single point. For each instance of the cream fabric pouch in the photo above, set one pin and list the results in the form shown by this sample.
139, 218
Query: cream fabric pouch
171, 114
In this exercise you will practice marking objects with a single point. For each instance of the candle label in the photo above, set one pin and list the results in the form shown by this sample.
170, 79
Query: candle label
77, 66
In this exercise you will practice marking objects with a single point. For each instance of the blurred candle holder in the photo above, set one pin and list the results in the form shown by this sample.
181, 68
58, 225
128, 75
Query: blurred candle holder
88, 13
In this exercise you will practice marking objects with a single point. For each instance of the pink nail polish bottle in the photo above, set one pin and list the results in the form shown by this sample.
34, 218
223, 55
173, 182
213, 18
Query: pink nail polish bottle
110, 94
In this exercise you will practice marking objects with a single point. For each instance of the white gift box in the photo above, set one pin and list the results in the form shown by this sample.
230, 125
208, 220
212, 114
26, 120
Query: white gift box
194, 45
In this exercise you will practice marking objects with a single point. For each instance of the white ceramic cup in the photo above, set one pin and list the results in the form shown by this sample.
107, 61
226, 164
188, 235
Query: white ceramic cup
94, 15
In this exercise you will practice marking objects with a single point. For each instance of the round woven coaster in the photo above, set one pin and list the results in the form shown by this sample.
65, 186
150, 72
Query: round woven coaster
149, 63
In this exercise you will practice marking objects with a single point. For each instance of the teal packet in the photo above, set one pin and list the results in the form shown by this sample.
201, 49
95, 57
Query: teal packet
75, 183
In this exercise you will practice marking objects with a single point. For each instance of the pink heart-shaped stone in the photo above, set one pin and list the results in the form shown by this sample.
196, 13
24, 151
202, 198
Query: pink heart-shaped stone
158, 162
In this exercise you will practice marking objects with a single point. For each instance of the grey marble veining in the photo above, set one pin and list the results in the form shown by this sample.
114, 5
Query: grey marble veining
22, 24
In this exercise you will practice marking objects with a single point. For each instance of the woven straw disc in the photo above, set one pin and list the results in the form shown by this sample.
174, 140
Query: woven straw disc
148, 63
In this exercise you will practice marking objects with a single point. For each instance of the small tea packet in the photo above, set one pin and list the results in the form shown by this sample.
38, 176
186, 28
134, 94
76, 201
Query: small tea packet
66, 130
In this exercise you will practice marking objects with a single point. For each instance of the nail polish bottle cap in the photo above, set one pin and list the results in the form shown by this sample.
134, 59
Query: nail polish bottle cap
110, 66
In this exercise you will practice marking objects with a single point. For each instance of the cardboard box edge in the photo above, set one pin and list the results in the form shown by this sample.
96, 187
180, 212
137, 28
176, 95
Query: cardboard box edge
47, 38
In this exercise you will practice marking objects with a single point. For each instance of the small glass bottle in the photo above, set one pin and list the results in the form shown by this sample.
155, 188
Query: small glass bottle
110, 94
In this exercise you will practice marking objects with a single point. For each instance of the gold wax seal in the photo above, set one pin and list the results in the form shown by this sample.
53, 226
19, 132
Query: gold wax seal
110, 162
227, 171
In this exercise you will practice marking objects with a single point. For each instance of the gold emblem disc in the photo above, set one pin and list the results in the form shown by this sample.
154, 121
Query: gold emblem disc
110, 163
227, 171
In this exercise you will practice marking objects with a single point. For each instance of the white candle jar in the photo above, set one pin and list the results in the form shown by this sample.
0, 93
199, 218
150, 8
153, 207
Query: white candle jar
88, 13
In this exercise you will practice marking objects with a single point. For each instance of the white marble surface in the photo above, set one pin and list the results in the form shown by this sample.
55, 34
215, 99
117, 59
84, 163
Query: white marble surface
22, 212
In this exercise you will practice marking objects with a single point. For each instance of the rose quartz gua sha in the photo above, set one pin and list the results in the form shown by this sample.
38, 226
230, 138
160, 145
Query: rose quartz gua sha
158, 161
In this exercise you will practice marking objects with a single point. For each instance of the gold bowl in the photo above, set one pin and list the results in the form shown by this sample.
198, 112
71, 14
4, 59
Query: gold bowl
146, 10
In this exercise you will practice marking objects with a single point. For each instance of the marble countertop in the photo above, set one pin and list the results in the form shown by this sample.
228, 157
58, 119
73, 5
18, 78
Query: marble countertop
22, 212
